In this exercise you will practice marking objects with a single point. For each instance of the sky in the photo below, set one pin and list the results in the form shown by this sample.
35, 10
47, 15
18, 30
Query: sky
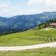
9, 8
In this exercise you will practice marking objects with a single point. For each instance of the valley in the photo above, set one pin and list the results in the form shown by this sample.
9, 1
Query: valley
21, 23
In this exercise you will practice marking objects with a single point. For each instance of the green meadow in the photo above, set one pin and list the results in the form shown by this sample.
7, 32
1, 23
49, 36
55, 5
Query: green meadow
30, 37
34, 52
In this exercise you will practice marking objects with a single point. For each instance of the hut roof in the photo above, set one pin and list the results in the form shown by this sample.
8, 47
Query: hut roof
52, 24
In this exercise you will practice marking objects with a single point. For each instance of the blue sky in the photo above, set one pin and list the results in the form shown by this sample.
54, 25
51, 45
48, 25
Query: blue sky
9, 8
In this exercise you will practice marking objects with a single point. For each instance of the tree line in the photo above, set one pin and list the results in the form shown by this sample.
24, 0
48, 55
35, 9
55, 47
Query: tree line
46, 24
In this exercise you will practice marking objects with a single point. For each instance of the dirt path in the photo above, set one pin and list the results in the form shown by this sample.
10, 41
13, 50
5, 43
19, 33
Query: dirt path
18, 48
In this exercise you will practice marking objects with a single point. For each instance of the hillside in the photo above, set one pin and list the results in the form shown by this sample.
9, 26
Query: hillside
33, 36
24, 22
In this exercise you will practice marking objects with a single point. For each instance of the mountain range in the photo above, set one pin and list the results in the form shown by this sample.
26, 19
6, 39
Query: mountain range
24, 22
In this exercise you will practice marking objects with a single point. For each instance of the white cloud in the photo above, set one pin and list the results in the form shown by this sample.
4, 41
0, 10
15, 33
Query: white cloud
4, 8
31, 2
34, 6
46, 5
7, 10
48, 2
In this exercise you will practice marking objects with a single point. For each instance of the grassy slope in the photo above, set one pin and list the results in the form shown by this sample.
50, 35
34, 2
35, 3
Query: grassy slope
34, 52
29, 37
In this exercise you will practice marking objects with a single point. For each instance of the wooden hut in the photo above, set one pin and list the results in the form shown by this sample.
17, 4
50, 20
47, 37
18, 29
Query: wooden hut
52, 25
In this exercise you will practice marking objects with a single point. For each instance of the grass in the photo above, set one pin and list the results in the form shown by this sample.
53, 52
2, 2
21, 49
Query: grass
30, 37
34, 52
